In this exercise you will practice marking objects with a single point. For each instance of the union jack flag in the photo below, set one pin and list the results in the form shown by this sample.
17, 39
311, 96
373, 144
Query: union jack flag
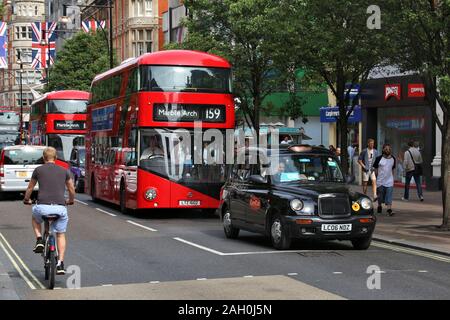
93, 25
40, 53
3, 46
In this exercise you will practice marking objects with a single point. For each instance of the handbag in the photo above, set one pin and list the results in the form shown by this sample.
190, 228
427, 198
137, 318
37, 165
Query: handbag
418, 170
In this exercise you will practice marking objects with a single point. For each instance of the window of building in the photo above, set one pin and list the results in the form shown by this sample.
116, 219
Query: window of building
27, 99
148, 8
142, 42
35, 10
25, 55
140, 8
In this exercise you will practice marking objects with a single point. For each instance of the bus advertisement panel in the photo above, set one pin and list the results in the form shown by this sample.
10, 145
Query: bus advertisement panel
143, 120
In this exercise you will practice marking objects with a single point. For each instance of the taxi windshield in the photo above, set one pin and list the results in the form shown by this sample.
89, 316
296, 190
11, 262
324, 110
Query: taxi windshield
307, 168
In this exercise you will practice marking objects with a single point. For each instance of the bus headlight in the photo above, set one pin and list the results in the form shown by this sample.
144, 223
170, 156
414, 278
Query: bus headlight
366, 203
150, 194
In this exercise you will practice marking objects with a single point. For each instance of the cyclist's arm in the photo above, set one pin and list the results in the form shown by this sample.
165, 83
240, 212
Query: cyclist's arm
71, 189
29, 191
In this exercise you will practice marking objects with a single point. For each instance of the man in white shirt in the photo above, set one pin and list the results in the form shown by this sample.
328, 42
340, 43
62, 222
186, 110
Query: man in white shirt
384, 166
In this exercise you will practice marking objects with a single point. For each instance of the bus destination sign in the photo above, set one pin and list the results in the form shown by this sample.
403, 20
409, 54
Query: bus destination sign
69, 125
176, 112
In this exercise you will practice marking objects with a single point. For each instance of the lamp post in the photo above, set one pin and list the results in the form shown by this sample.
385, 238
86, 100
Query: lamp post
64, 19
19, 61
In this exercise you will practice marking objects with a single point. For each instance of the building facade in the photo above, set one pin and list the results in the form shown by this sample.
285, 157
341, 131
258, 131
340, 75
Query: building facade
19, 14
135, 25
172, 30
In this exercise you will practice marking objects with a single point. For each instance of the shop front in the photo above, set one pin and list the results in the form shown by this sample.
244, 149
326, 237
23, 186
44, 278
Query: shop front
395, 111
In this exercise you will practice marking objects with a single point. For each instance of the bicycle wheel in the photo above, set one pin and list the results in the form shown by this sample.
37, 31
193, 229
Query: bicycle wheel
52, 263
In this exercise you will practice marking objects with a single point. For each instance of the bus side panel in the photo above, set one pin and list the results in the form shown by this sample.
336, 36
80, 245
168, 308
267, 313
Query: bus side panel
187, 195
148, 180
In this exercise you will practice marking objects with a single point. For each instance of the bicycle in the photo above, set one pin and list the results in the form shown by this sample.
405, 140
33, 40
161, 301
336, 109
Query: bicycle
50, 252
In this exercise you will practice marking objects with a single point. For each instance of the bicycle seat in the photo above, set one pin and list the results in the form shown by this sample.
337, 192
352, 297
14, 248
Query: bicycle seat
51, 217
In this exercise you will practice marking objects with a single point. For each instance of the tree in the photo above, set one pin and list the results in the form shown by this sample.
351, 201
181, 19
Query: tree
81, 59
332, 39
245, 32
422, 44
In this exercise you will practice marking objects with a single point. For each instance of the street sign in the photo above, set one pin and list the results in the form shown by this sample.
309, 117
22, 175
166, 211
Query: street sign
331, 114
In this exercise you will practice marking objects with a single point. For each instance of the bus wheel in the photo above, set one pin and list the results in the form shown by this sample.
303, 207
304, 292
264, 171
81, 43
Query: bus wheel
123, 207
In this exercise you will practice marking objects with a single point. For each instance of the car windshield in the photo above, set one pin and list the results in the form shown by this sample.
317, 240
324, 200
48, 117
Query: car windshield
81, 156
307, 168
185, 79
24, 156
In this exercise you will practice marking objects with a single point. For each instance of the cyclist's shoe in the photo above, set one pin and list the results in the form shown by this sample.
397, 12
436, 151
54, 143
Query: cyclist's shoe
39, 247
60, 269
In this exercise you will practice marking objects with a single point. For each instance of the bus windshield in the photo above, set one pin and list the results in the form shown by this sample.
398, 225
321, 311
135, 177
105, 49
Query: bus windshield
64, 143
161, 152
67, 106
185, 79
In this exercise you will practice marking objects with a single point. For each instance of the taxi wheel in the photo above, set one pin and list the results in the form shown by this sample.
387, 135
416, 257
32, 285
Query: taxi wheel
230, 231
362, 243
279, 234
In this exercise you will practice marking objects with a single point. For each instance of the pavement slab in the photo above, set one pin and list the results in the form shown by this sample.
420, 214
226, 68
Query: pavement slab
256, 288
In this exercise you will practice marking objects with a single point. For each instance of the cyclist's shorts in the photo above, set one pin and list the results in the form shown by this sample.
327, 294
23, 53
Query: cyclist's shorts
58, 226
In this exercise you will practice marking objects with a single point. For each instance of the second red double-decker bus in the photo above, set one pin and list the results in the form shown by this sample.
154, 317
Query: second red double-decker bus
58, 119
140, 114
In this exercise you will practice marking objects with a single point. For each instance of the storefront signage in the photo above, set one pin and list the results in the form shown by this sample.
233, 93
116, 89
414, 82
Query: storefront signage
406, 123
331, 114
416, 90
392, 90
103, 118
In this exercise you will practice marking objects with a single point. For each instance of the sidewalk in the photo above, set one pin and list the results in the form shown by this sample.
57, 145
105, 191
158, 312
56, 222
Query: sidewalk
414, 223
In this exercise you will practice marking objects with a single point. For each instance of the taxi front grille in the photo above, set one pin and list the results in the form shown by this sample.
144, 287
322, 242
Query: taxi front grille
334, 206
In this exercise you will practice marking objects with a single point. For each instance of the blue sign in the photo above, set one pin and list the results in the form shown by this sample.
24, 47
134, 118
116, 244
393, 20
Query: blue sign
103, 118
354, 91
331, 114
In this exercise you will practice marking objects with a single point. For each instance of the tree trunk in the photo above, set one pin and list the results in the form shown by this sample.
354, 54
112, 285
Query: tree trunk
445, 170
342, 124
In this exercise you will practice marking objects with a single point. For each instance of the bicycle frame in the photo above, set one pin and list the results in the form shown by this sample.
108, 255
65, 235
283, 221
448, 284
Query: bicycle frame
50, 252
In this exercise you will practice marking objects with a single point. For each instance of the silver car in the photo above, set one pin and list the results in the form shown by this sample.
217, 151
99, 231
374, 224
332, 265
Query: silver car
17, 164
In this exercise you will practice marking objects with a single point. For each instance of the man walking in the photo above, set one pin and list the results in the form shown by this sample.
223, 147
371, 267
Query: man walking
384, 166
52, 181
413, 169
366, 160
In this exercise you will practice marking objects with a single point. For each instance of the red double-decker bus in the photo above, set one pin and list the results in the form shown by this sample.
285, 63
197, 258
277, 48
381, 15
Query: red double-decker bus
58, 119
139, 116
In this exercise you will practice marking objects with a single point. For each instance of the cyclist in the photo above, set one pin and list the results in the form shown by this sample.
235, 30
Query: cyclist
52, 181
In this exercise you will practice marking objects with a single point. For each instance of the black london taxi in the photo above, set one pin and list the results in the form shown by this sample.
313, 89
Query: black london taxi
306, 197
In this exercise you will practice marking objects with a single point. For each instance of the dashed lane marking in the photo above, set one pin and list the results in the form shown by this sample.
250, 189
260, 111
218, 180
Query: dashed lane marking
108, 213
293, 274
86, 204
140, 225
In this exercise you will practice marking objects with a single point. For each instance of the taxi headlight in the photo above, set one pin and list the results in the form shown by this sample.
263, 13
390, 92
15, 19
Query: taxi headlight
150, 194
296, 205
366, 203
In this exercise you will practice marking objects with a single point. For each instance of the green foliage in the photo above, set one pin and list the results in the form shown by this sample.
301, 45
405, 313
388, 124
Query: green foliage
244, 32
81, 59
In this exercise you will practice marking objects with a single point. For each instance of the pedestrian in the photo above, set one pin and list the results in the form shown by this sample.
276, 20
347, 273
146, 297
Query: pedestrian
332, 148
413, 169
338, 153
350, 152
366, 160
384, 166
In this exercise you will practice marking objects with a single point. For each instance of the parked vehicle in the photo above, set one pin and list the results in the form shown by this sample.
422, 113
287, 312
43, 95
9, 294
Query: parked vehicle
17, 164
306, 198
77, 167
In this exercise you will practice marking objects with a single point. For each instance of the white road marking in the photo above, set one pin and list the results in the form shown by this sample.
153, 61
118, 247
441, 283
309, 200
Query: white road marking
86, 204
21, 262
30, 284
201, 279
422, 271
154, 282
248, 276
411, 251
106, 285
337, 272
200, 247
140, 225
293, 274
108, 213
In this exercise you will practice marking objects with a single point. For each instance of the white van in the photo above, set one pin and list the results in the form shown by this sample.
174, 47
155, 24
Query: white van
17, 164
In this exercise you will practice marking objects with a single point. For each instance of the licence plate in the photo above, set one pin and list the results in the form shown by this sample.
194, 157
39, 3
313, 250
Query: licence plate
189, 203
337, 227
22, 174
